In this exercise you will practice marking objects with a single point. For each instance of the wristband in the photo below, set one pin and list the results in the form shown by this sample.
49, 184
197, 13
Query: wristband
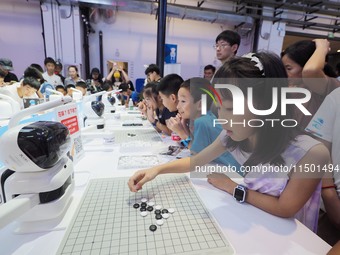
155, 123
185, 142
329, 187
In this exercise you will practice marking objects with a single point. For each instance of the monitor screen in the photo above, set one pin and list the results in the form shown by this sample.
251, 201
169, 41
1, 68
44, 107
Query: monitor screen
28, 102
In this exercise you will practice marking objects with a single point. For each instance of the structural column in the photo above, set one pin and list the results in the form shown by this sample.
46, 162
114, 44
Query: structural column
62, 31
161, 29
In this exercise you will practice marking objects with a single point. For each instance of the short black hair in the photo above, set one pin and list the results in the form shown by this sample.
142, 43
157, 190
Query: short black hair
170, 84
35, 73
229, 36
107, 85
49, 60
70, 86
124, 87
81, 84
32, 82
152, 68
37, 66
60, 87
210, 67
195, 86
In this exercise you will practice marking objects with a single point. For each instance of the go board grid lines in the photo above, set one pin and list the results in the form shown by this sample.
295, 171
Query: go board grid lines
145, 135
107, 223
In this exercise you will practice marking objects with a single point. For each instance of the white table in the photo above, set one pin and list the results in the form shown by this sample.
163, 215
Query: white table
248, 229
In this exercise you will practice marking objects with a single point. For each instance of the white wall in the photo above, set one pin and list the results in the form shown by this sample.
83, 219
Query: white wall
21, 34
132, 37
64, 35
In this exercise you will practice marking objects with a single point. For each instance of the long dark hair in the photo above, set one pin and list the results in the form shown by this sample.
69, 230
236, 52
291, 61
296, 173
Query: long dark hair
100, 76
150, 90
301, 51
245, 73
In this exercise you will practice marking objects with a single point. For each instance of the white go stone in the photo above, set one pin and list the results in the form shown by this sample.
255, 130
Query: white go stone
144, 213
159, 222
158, 207
171, 210
165, 215
151, 203
143, 200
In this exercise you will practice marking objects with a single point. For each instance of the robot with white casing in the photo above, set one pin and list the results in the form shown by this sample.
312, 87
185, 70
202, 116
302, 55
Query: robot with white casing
37, 187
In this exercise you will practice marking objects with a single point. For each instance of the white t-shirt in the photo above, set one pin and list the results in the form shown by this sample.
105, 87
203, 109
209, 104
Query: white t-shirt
52, 79
326, 125
11, 91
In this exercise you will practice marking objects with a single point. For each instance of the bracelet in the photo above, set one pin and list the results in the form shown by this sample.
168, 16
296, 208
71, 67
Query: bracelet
329, 187
185, 142
155, 123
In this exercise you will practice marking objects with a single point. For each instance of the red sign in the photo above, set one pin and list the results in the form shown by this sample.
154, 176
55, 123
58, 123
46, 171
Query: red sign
71, 124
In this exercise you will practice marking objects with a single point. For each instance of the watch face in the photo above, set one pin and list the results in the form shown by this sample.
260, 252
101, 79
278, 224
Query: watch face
238, 194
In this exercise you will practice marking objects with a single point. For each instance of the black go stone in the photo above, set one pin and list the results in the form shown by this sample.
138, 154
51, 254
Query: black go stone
149, 208
142, 209
158, 212
136, 206
158, 217
153, 228
165, 211
143, 204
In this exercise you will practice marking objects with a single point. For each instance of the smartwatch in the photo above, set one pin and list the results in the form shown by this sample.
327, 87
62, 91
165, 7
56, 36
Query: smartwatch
240, 193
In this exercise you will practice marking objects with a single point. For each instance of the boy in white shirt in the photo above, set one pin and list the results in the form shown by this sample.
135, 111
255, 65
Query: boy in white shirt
49, 75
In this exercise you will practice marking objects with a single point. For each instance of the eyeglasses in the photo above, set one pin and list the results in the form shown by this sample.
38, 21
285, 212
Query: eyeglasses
221, 46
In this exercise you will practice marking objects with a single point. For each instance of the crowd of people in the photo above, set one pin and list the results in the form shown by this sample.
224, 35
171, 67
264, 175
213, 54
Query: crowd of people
173, 105
52, 79
313, 197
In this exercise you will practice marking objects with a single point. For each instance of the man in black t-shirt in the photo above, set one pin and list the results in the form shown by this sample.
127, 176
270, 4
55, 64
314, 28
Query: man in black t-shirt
7, 66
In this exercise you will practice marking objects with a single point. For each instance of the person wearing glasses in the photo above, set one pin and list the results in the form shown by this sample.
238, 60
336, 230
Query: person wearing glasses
226, 45
152, 73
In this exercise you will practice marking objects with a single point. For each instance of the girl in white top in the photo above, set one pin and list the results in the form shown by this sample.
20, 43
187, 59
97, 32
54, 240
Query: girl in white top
285, 193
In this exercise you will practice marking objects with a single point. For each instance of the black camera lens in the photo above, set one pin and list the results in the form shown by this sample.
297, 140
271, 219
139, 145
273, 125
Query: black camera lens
98, 107
44, 142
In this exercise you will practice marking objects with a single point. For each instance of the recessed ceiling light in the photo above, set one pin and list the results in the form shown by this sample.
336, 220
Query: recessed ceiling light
338, 51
